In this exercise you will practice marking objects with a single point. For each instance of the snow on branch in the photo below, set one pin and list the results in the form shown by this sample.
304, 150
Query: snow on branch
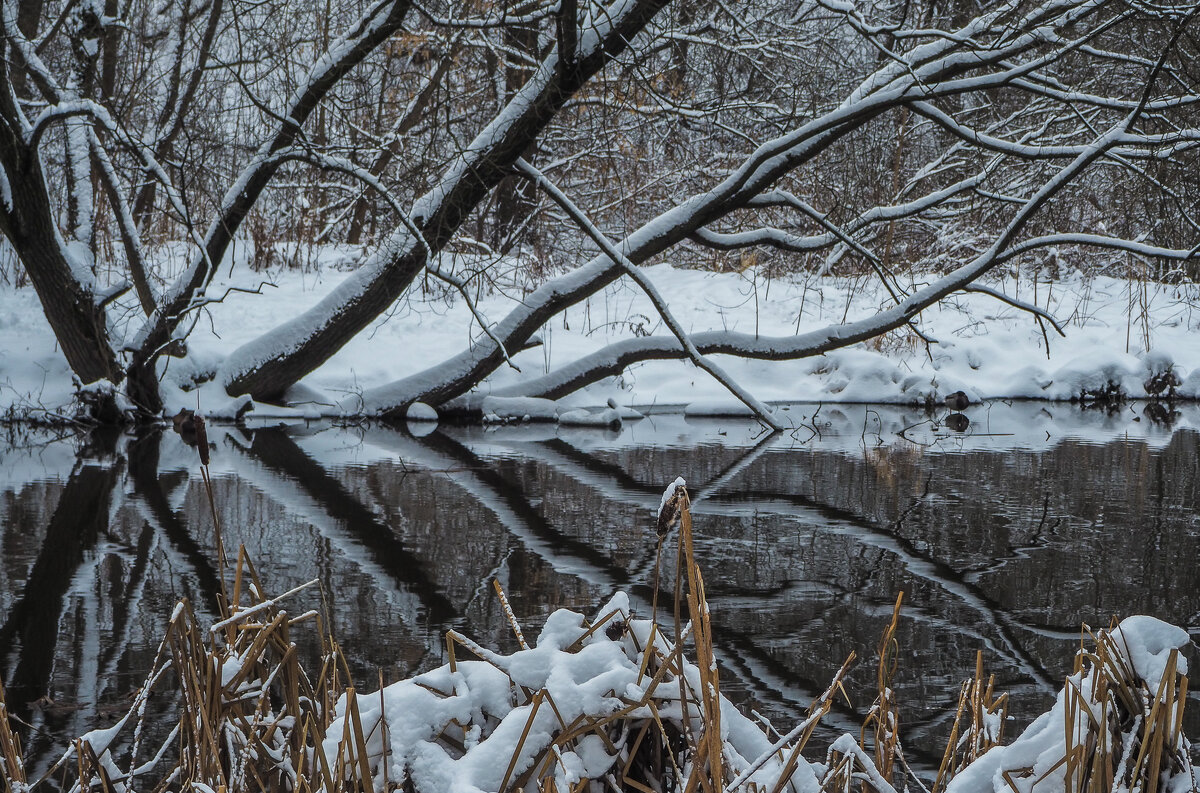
885, 275
614, 358
125, 223
1150, 147
267, 365
58, 112
99, 114
373, 27
767, 237
546, 11
760, 409
1100, 241
947, 65
25, 53
1037, 311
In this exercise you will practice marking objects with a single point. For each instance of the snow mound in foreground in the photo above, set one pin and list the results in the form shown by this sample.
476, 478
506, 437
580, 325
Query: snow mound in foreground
560, 714
1117, 719
541, 714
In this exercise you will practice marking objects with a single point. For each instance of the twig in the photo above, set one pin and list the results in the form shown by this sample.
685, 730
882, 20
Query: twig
1037, 311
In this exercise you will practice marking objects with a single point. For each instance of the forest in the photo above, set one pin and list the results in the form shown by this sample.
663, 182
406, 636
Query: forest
545, 150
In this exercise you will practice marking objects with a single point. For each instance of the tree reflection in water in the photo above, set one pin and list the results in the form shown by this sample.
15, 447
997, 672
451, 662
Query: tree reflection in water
1005, 543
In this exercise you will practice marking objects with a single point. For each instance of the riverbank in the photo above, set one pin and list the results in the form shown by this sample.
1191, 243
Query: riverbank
1127, 339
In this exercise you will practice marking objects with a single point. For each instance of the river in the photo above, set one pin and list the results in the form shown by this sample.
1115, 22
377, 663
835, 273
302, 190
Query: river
1005, 537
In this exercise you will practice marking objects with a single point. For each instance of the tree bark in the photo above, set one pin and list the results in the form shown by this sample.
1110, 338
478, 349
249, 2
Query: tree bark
70, 306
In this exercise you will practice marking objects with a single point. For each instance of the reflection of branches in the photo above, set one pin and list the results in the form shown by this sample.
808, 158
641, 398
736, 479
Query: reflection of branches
503, 496
125, 600
34, 620
611, 481
840, 522
143, 469
280, 455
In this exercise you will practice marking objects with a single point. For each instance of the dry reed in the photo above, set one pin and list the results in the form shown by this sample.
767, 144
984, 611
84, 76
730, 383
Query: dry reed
1121, 731
12, 761
985, 713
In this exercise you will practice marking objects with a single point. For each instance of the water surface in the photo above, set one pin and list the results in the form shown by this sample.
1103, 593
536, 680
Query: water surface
1005, 538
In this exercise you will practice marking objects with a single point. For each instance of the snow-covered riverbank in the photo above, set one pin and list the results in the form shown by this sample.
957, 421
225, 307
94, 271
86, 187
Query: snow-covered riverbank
1117, 332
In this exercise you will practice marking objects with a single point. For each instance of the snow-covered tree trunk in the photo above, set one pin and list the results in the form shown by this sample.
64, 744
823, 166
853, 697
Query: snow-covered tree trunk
267, 366
380, 21
64, 285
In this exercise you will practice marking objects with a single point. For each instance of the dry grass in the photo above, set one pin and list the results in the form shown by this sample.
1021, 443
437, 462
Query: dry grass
985, 714
12, 765
248, 712
849, 766
1121, 732
884, 716
651, 736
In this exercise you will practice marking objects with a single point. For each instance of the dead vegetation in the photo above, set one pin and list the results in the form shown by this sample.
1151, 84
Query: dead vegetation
248, 716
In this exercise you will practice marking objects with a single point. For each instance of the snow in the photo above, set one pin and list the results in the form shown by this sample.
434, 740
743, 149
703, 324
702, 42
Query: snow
520, 408
581, 417
1147, 642
419, 411
717, 408
983, 347
669, 493
480, 705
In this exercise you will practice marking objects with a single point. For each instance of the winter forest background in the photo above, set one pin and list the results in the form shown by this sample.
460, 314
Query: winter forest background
457, 152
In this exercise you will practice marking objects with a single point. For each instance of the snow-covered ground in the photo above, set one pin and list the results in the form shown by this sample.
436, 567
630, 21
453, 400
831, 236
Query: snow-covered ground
1116, 330
597, 677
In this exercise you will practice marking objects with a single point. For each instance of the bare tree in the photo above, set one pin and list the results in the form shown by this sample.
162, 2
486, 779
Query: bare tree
817, 134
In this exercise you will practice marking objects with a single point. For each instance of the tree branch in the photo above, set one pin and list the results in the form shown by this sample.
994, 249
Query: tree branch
764, 413
931, 70
268, 365
1012, 301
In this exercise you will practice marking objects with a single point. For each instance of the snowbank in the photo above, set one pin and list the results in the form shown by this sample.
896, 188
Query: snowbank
1138, 662
560, 715
982, 346
543, 713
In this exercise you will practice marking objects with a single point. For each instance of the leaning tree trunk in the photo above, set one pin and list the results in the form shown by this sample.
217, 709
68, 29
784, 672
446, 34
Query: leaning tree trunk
69, 303
378, 24
270, 364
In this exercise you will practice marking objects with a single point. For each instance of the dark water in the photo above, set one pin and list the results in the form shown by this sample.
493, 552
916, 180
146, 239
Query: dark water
1005, 538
